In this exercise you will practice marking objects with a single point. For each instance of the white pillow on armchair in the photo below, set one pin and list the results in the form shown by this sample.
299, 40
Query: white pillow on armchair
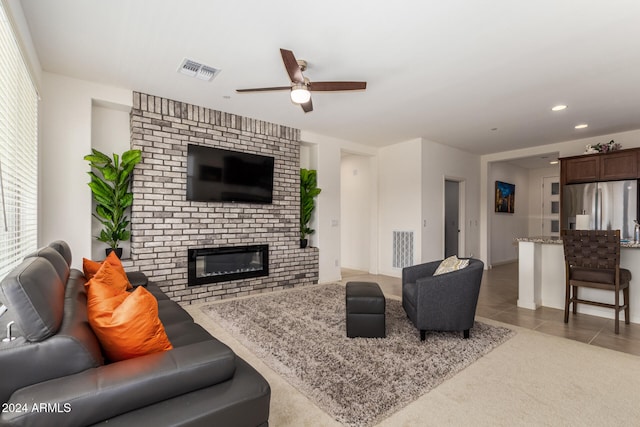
453, 263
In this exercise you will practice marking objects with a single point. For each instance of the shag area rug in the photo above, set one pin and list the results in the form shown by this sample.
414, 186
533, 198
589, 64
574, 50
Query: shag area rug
301, 334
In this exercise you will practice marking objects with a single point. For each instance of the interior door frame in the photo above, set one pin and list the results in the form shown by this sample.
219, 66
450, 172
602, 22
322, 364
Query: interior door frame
462, 249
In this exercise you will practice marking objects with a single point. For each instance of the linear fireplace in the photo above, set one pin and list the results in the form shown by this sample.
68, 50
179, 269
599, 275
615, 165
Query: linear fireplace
211, 265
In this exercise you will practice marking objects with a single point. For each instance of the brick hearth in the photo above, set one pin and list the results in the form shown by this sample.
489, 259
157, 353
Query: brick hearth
165, 225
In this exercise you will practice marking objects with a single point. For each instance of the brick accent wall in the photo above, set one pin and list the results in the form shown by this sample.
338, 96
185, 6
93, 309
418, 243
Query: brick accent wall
164, 224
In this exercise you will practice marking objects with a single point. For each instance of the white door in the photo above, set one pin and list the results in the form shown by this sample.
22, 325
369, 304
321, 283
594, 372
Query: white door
551, 206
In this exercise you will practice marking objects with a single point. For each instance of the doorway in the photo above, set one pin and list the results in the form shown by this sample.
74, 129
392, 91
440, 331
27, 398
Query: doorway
551, 206
452, 221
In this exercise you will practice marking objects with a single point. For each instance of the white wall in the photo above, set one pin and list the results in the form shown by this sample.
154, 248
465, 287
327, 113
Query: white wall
65, 138
21, 27
400, 200
410, 191
328, 152
505, 227
110, 133
327, 226
65, 200
411, 198
308, 156
440, 162
355, 208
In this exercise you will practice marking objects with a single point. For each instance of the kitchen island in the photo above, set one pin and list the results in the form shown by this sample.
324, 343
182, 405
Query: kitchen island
541, 278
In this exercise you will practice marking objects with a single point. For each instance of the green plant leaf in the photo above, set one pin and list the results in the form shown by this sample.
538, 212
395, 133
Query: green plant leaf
110, 179
100, 182
131, 158
109, 173
123, 178
104, 212
101, 220
98, 157
100, 194
126, 200
116, 161
313, 192
308, 192
104, 236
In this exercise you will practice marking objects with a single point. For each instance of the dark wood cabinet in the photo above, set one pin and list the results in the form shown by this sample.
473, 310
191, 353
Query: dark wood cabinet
600, 167
619, 166
581, 169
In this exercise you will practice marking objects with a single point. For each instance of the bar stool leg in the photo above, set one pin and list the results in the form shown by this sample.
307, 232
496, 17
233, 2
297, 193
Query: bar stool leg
567, 301
625, 293
617, 308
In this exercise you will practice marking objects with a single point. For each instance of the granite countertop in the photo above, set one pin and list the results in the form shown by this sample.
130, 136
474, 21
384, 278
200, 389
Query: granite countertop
556, 240
541, 239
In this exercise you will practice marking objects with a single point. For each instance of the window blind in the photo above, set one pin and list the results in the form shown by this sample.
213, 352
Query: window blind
18, 152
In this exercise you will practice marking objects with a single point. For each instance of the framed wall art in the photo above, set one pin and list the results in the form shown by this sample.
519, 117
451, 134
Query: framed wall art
505, 197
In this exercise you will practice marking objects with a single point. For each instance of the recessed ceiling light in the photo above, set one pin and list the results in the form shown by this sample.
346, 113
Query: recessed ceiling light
559, 108
581, 126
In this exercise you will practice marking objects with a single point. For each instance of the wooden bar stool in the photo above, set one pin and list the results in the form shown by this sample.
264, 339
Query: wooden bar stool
592, 260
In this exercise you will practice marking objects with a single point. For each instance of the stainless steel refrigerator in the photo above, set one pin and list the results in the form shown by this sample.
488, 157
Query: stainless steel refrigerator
602, 205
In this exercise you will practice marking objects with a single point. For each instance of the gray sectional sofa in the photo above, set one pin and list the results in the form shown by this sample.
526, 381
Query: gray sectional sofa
54, 372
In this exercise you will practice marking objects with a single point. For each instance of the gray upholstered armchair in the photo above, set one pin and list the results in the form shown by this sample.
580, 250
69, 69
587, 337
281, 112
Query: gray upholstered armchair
446, 302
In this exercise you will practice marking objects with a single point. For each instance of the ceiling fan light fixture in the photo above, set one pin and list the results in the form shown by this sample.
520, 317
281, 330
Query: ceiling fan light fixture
300, 94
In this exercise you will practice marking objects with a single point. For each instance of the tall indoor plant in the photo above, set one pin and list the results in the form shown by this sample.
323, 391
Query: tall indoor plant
308, 192
110, 180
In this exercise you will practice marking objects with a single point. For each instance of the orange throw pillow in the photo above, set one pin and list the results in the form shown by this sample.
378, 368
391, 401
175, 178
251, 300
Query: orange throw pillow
127, 325
106, 283
90, 267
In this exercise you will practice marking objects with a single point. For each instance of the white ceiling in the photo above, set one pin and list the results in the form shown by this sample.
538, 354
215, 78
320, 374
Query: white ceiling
448, 71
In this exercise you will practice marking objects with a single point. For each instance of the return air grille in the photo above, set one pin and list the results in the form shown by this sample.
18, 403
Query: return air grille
402, 249
195, 69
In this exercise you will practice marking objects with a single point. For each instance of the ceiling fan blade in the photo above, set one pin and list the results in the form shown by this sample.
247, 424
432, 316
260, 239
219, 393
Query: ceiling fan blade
291, 64
330, 86
307, 106
264, 89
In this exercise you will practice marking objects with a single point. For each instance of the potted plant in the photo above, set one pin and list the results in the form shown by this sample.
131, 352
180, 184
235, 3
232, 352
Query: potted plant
308, 192
110, 180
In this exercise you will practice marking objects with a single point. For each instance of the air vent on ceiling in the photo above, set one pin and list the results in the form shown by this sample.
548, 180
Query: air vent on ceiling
195, 69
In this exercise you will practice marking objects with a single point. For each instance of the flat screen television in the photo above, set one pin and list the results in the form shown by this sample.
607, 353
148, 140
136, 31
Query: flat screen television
219, 175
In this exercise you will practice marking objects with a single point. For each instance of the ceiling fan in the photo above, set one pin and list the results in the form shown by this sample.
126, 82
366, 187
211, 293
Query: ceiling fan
301, 87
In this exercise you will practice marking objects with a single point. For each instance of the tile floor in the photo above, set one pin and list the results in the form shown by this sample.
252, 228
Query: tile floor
497, 301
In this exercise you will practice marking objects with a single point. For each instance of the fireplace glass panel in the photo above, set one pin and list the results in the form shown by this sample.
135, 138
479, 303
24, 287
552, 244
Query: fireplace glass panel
211, 265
